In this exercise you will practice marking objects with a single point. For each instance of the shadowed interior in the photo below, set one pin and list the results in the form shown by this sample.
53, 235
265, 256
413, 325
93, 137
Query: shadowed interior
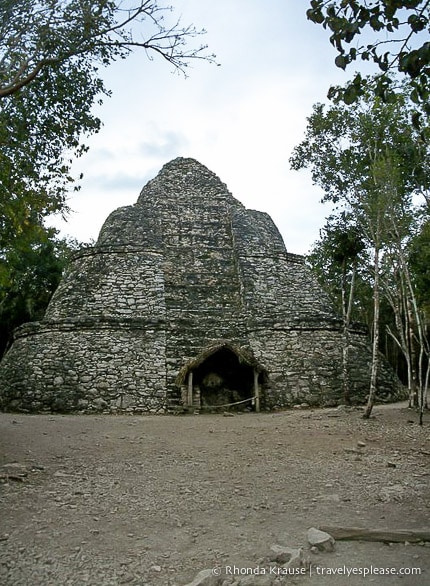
223, 379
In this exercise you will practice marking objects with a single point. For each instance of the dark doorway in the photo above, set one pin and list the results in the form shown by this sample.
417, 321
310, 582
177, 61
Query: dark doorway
223, 379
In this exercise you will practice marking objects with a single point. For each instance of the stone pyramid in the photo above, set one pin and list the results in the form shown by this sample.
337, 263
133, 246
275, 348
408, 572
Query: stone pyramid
188, 299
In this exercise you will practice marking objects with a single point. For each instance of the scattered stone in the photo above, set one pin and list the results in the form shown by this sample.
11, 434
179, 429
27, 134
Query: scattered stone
228, 414
330, 498
391, 465
13, 471
206, 578
258, 580
320, 539
297, 560
15, 468
61, 474
361, 444
156, 568
281, 554
4, 478
392, 493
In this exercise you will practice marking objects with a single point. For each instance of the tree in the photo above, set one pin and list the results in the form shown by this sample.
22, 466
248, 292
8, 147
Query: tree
30, 275
40, 35
419, 263
395, 34
335, 258
370, 160
51, 52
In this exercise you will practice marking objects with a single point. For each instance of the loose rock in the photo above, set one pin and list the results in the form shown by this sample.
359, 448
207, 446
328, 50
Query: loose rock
281, 554
320, 539
259, 580
297, 560
206, 578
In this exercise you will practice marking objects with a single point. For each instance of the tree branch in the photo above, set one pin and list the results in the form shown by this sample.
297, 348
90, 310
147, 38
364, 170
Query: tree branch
90, 35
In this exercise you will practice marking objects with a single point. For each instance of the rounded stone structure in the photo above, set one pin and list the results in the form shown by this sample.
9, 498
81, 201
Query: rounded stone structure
187, 299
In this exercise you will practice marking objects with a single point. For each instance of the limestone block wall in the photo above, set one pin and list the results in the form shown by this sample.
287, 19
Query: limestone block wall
292, 329
101, 345
304, 365
131, 226
276, 286
186, 269
303, 373
188, 337
79, 367
111, 282
201, 285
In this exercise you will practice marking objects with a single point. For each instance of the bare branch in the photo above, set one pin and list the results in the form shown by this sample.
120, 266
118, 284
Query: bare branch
98, 31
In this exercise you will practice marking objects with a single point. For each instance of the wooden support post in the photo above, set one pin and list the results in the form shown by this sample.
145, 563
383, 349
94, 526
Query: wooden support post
190, 389
256, 392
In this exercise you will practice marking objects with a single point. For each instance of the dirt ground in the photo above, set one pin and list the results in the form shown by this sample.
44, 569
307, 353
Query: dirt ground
106, 500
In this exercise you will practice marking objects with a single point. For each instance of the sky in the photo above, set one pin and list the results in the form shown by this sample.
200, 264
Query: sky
241, 119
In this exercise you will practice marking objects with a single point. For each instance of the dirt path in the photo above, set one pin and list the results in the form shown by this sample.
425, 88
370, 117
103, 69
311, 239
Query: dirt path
106, 500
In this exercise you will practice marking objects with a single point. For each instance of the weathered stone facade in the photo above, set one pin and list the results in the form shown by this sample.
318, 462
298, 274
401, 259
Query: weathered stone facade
187, 298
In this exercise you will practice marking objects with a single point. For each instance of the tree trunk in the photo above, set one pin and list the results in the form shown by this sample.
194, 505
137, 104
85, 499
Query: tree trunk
347, 311
413, 396
423, 391
375, 348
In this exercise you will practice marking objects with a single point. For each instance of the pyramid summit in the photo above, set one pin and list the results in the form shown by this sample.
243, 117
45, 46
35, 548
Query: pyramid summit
188, 299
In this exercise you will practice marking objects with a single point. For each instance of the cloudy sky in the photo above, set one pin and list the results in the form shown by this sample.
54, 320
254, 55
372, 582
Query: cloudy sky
241, 119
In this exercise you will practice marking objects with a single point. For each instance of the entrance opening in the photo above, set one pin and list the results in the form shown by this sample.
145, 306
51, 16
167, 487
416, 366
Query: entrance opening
223, 379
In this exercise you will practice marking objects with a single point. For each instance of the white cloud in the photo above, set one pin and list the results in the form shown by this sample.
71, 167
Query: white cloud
241, 119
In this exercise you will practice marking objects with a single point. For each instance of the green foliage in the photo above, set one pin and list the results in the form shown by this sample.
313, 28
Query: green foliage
373, 164
396, 36
40, 131
50, 55
38, 35
50, 52
339, 251
419, 262
351, 150
29, 274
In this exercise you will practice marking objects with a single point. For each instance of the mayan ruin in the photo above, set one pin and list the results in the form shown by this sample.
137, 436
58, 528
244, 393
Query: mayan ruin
188, 299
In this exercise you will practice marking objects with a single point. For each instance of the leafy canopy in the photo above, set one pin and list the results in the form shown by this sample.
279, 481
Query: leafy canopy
351, 152
396, 34
51, 52
30, 276
336, 259
38, 35
50, 55
373, 164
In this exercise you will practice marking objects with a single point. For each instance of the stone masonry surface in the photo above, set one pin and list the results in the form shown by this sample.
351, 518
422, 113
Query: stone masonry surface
187, 298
